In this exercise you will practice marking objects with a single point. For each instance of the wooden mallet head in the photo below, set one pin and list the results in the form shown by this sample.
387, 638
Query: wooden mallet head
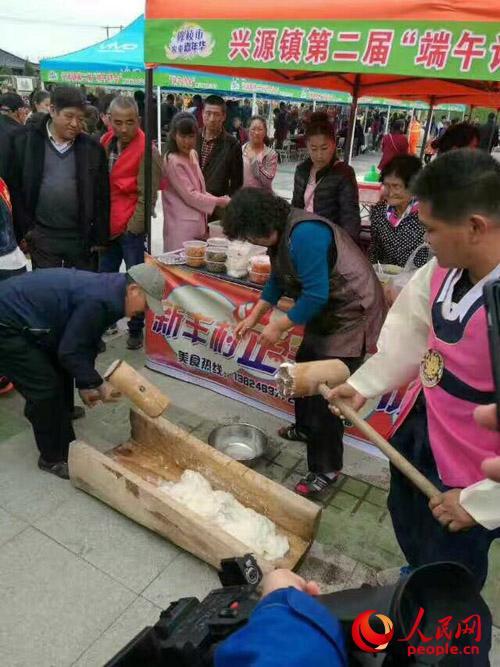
140, 391
298, 380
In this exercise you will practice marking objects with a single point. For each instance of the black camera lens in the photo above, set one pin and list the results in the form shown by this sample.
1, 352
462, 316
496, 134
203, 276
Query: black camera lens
252, 575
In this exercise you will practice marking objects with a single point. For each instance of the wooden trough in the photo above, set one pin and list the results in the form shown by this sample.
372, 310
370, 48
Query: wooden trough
128, 478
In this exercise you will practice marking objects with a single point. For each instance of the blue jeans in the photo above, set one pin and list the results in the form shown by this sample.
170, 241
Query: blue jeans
130, 249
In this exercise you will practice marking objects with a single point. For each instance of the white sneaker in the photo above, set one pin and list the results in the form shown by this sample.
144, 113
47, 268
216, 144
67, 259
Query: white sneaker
112, 330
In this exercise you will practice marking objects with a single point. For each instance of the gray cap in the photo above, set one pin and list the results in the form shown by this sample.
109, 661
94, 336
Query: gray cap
152, 282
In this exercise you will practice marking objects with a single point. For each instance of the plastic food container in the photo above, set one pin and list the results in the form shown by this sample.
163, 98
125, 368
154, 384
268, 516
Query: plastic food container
195, 253
215, 229
260, 264
235, 272
386, 271
215, 267
216, 250
217, 241
258, 278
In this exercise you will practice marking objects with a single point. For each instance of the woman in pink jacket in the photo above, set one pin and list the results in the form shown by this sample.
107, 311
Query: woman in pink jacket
186, 202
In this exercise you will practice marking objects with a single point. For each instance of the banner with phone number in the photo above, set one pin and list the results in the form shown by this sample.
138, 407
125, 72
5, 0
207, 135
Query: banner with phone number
194, 341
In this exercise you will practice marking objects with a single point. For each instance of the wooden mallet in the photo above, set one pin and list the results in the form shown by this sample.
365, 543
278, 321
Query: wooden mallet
140, 391
319, 377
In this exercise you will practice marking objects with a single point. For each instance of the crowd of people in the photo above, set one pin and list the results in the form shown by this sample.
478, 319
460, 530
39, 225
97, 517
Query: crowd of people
72, 197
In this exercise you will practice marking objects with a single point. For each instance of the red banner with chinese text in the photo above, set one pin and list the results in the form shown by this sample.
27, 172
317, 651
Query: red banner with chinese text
194, 341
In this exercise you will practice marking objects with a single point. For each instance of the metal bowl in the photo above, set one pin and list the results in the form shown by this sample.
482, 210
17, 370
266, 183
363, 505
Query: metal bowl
242, 442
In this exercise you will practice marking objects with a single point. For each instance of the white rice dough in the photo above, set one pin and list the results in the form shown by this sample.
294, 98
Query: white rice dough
222, 508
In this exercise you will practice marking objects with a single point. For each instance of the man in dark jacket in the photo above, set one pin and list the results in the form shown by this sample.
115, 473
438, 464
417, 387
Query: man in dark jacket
13, 114
219, 153
58, 180
51, 323
281, 126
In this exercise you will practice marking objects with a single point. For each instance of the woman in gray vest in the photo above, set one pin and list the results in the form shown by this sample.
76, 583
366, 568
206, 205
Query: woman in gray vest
338, 299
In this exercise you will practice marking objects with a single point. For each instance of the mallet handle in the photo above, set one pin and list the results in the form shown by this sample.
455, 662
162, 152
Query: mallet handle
397, 459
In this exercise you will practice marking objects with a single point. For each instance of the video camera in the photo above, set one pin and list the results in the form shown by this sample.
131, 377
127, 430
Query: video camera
189, 631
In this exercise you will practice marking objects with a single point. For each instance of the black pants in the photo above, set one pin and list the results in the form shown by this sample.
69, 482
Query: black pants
50, 251
421, 538
323, 430
48, 391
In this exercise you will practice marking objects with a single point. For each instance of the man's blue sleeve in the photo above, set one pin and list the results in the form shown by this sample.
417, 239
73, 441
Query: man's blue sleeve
287, 628
310, 244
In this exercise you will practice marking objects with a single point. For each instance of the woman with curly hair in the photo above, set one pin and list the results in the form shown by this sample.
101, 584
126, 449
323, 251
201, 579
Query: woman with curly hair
338, 300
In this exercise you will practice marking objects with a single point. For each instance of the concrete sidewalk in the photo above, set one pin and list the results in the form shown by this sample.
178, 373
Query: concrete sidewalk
78, 579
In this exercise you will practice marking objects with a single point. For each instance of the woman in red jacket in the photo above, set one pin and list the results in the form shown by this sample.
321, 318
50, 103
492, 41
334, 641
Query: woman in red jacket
394, 143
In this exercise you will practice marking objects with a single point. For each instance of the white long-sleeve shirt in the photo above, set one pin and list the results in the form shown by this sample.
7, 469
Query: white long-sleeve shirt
401, 346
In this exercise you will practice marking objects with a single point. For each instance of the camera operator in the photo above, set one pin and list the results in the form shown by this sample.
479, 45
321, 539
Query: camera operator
288, 627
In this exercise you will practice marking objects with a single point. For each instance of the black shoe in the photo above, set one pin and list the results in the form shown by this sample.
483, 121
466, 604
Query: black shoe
60, 469
101, 347
77, 413
135, 341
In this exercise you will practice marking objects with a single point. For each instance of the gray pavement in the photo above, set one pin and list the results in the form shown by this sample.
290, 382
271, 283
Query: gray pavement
78, 579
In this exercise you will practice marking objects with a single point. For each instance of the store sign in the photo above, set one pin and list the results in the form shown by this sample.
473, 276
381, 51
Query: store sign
419, 48
24, 84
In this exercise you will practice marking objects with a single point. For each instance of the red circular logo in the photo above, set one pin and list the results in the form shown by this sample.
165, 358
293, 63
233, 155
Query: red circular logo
366, 638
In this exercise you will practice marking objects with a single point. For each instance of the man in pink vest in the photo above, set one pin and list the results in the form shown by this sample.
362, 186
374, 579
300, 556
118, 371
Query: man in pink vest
124, 144
436, 335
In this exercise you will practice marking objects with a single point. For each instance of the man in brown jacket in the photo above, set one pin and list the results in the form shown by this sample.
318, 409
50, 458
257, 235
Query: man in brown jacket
125, 144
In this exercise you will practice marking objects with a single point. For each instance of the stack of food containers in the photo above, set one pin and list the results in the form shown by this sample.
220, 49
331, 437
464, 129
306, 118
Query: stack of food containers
260, 269
238, 254
195, 253
216, 254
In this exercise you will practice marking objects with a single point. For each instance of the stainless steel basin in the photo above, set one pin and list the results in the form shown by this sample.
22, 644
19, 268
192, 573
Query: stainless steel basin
242, 442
